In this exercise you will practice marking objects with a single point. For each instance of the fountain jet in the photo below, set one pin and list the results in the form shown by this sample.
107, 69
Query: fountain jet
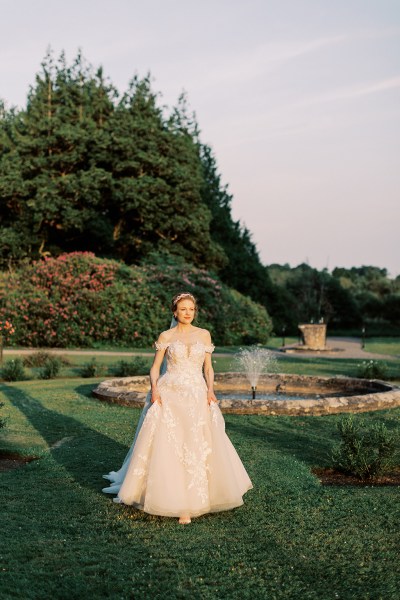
255, 361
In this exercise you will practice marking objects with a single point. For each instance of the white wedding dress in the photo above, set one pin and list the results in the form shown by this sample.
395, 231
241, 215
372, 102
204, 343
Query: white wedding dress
181, 462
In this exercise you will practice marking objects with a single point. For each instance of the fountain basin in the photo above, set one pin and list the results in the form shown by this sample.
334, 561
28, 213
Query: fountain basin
314, 395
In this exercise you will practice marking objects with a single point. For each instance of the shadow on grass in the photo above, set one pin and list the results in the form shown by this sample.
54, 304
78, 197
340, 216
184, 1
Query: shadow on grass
86, 390
308, 441
84, 454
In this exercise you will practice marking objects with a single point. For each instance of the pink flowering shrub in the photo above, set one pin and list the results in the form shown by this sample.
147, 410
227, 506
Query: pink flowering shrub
80, 300
6, 330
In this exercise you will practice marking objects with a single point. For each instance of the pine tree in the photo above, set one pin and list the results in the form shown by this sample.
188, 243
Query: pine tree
244, 270
54, 179
157, 181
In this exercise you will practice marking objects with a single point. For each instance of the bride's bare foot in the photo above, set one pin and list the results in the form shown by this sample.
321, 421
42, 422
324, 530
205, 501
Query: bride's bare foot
185, 520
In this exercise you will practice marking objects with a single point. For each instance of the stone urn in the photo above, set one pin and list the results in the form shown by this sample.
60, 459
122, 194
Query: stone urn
313, 335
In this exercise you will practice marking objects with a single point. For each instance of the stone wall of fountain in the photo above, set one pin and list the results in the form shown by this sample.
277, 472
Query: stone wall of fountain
241, 392
348, 394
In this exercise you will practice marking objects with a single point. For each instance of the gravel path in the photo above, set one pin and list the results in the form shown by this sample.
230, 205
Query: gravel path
346, 348
13, 351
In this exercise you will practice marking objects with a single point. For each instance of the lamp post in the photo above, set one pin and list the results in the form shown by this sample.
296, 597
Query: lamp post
363, 337
283, 335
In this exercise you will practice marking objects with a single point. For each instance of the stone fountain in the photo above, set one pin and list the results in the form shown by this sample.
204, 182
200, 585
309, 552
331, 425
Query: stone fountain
287, 394
271, 393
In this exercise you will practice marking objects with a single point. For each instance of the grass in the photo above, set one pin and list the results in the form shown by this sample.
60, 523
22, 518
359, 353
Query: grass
77, 361
293, 538
301, 365
383, 346
224, 361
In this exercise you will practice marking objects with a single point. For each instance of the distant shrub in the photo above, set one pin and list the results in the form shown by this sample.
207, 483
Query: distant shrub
372, 369
364, 451
137, 366
50, 368
13, 370
2, 421
92, 369
39, 359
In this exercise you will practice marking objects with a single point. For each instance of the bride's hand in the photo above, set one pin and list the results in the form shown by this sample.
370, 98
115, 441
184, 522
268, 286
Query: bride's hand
211, 397
155, 397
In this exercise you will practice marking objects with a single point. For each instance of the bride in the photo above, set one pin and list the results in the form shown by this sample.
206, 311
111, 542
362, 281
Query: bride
181, 462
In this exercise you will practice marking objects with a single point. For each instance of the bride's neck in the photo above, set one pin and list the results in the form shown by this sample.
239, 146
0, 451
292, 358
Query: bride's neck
184, 328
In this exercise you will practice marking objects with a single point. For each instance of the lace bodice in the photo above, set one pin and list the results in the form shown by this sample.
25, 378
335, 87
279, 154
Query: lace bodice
185, 360
185, 355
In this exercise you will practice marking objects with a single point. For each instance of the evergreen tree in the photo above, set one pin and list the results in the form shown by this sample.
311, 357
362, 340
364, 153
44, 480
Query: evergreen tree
54, 176
157, 180
243, 270
79, 173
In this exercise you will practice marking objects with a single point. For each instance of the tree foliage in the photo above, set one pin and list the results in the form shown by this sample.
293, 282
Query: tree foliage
85, 169
345, 299
80, 170
243, 269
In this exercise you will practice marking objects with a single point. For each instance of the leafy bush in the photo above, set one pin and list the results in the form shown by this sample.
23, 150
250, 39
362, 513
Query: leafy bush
39, 359
13, 370
51, 368
137, 366
80, 300
2, 421
92, 369
365, 451
372, 369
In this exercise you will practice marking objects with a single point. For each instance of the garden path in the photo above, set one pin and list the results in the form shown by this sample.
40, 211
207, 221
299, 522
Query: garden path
342, 347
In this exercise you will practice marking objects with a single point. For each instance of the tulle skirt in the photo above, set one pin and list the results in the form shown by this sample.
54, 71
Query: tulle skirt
181, 461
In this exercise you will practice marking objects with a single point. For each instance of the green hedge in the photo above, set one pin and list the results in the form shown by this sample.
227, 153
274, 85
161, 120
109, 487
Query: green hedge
78, 299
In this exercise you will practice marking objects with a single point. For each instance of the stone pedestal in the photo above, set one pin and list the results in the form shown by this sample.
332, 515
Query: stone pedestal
314, 335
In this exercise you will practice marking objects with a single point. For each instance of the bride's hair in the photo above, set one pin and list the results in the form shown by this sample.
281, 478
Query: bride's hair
183, 296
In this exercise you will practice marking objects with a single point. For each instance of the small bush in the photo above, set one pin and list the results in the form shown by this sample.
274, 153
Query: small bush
2, 421
39, 359
137, 366
363, 451
51, 368
372, 369
92, 369
13, 370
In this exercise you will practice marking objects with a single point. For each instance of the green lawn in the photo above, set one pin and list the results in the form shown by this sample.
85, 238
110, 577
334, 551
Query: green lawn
62, 538
304, 365
383, 346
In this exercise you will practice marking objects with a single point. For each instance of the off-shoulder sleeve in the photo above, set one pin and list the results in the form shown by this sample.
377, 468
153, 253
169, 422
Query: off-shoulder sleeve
209, 348
160, 346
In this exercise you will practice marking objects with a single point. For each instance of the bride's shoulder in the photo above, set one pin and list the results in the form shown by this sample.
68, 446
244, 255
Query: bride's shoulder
165, 337
164, 340
204, 335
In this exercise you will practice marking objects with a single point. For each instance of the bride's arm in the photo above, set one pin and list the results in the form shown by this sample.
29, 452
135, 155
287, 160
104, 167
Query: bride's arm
155, 374
155, 369
209, 371
209, 377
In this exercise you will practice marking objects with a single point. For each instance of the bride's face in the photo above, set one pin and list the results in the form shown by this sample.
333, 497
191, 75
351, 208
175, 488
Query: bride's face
185, 311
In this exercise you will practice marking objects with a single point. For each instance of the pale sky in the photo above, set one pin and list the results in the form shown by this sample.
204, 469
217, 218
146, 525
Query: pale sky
299, 99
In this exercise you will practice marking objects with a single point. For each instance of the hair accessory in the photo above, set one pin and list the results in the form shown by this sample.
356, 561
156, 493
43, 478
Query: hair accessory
184, 295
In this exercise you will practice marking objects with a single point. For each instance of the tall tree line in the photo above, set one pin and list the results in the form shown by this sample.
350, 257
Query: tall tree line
347, 299
85, 168
82, 168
